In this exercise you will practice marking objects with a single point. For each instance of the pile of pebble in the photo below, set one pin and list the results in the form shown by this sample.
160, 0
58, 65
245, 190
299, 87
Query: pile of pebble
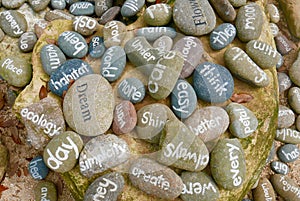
91, 107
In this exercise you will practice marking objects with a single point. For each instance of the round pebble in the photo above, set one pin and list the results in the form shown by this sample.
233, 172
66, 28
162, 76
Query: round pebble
101, 6
222, 36
85, 25
45, 190
285, 187
294, 99
16, 71
286, 117
213, 83
27, 41
52, 58
125, 118
288, 153
58, 4
38, 5
13, 23
158, 14
273, 12
82, 8
131, 89
62, 152
113, 63
283, 45
284, 81
131, 7
37, 168
279, 167
72, 44
89, 104
243, 121
96, 47
187, 19
264, 191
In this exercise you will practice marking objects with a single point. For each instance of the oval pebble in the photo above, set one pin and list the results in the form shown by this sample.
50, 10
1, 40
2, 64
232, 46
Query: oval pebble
235, 57
105, 188
58, 4
228, 164
224, 9
284, 81
101, 6
82, 8
181, 148
125, 118
192, 50
144, 173
283, 45
16, 71
222, 36
62, 152
85, 25
198, 186
52, 58
96, 47
273, 13
279, 167
286, 117
45, 190
72, 44
113, 63
213, 83
263, 54
285, 187
243, 121
131, 7
153, 33
288, 153
274, 29
37, 168
102, 153
294, 71
109, 15
70, 70
158, 14
208, 123
38, 5
264, 191
183, 99
27, 41
294, 99
8, 4
249, 22
13, 23
195, 18
131, 89
89, 104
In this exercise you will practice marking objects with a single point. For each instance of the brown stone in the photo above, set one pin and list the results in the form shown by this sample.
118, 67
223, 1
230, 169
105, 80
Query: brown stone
224, 9
283, 45
264, 191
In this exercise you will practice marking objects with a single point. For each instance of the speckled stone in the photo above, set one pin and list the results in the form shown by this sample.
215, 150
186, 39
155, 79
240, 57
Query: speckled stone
144, 174
181, 148
285, 187
113, 63
132, 89
16, 71
38, 5
213, 92
101, 6
109, 15
228, 164
89, 104
286, 117
158, 14
82, 8
264, 191
105, 188
208, 123
263, 54
195, 17
235, 57
131, 7
284, 81
85, 25
224, 9
294, 71
13, 23
27, 41
125, 118
273, 12
288, 153
243, 121
294, 99
249, 22
45, 190
222, 36
62, 152
191, 48
72, 44
102, 153
52, 58
279, 167
70, 70
96, 47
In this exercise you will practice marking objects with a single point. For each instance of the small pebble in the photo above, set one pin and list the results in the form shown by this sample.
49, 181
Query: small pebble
280, 62
27, 41
285, 187
264, 191
37, 168
38, 5
85, 25
58, 4
273, 12
274, 29
283, 45
109, 15
222, 36
131, 7
224, 9
294, 99
96, 47
288, 153
72, 44
153, 33
62, 152
82, 8
13, 23
158, 14
45, 190
280, 167
284, 81
131, 89
101, 6
286, 117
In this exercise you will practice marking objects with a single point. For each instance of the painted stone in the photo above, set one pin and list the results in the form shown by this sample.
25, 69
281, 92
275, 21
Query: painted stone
286, 117
222, 36
114, 33
288, 135
45, 190
285, 187
279, 167
158, 14
224, 9
72, 44
96, 47
37, 168
38, 5
284, 81
283, 45
153, 33
264, 191
13, 23
58, 14
85, 25
131, 7
101, 6
288, 153
163, 44
131, 89
82, 8
294, 99
273, 13
27, 41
